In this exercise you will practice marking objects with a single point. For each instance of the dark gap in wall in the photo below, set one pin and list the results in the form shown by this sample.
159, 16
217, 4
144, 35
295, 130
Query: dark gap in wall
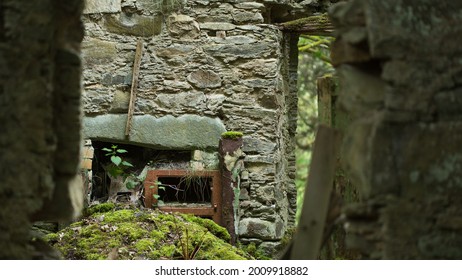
187, 189
138, 156
2, 22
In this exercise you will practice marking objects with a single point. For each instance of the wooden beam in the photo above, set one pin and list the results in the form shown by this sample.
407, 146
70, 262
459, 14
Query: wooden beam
136, 72
309, 236
319, 25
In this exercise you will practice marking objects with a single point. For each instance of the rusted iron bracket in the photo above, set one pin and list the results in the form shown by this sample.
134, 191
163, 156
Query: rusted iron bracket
136, 72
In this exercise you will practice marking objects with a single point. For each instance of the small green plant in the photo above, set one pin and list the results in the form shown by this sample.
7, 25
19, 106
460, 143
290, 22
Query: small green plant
188, 250
156, 196
119, 166
232, 135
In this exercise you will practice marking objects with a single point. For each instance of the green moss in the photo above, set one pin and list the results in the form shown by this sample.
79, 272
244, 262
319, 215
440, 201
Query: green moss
288, 236
157, 235
95, 257
215, 229
168, 251
51, 237
124, 215
129, 231
231, 135
145, 245
142, 234
100, 208
254, 251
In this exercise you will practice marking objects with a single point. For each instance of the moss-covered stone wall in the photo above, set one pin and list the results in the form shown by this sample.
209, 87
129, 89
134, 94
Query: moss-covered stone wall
400, 67
40, 87
207, 67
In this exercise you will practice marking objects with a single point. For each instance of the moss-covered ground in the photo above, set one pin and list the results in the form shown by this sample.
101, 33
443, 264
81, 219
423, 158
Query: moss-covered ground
110, 231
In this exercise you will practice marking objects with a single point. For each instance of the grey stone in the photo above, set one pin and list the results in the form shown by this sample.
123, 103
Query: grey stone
241, 17
176, 84
251, 227
101, 6
250, 6
110, 80
120, 102
260, 67
217, 26
97, 101
448, 104
258, 145
134, 24
430, 20
233, 52
237, 40
189, 131
258, 83
160, 6
441, 245
181, 101
204, 79
174, 50
222, 18
96, 51
183, 26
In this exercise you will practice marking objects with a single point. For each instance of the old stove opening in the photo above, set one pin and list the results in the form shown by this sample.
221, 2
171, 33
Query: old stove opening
187, 189
185, 181
196, 192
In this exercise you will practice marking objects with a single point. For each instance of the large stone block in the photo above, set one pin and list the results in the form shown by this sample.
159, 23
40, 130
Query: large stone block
204, 79
234, 52
135, 25
183, 26
102, 6
185, 132
430, 159
402, 35
251, 227
96, 51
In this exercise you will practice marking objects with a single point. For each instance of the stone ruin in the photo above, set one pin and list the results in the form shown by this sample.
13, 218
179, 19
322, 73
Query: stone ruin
206, 67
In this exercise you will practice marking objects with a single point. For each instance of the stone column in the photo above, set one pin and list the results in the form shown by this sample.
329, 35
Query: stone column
400, 69
40, 84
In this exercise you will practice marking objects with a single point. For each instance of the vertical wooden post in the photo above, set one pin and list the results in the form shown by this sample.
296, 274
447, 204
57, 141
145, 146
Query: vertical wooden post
136, 72
231, 158
308, 239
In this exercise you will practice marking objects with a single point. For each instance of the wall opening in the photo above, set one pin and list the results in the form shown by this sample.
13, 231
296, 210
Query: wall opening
185, 191
170, 180
180, 190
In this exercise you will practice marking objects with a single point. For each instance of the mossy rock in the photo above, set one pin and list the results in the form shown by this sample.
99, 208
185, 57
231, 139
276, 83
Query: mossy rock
232, 135
113, 231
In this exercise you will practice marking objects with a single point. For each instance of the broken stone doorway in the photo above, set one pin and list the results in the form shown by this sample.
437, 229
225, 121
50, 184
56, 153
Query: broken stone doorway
318, 103
313, 64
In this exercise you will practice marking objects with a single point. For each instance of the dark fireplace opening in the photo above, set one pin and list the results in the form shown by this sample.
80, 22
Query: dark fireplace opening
185, 189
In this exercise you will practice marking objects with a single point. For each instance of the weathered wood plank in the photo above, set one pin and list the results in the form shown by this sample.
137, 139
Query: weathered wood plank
136, 72
308, 239
319, 25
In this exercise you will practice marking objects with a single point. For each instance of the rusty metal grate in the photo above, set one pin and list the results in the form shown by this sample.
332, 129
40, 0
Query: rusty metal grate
205, 202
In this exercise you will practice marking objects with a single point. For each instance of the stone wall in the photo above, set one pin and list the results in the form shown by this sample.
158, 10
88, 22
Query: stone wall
400, 65
40, 86
207, 67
